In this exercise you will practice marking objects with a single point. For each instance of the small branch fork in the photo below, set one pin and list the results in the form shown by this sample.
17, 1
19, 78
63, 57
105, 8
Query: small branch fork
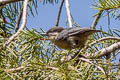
22, 25
90, 62
104, 51
108, 50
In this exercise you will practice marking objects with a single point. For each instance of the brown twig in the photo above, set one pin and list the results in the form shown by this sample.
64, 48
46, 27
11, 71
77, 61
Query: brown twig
97, 18
22, 25
108, 60
59, 12
18, 20
119, 65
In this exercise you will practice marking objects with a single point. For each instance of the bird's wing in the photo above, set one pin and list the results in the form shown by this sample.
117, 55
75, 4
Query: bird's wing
73, 31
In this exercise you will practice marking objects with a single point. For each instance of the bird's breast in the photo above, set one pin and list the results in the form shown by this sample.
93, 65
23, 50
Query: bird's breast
62, 44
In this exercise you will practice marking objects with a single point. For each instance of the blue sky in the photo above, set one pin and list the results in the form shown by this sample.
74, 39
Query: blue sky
80, 9
47, 14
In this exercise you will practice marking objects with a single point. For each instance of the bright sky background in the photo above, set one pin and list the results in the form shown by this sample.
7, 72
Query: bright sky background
81, 11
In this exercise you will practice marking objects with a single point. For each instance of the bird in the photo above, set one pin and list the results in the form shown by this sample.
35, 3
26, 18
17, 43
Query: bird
70, 38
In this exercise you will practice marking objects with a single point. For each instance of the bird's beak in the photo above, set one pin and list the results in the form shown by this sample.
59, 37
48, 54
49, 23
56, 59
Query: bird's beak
44, 39
44, 34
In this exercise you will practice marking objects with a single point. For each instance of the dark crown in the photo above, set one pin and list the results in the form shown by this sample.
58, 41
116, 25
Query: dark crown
55, 29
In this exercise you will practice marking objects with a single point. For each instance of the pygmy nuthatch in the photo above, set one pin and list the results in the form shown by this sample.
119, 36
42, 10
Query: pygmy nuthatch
70, 38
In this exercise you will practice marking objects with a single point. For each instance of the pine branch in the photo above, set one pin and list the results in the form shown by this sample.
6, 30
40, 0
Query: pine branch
108, 50
22, 25
4, 2
90, 62
103, 39
107, 4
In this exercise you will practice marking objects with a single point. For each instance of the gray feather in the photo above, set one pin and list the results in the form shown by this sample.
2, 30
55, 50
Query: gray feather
74, 31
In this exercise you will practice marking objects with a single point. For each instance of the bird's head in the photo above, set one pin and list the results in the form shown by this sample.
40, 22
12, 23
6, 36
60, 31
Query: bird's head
53, 32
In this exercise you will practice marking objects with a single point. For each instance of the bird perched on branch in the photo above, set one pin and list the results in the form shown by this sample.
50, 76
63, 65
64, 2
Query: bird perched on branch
70, 38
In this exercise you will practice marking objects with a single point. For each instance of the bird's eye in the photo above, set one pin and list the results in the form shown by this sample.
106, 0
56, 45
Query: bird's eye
76, 42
